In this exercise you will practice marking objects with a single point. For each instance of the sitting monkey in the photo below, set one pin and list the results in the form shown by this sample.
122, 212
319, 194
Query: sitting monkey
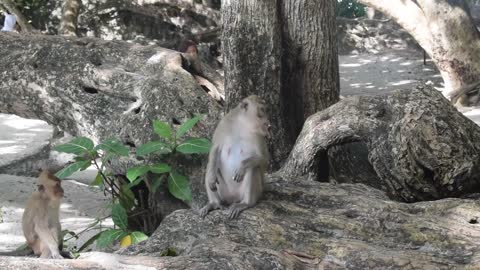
238, 159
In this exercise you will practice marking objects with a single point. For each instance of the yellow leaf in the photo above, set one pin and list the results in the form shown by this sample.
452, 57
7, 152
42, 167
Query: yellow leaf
126, 241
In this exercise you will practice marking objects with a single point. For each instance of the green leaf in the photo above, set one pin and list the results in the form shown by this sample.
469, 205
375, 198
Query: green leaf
185, 127
135, 172
98, 180
169, 252
135, 182
119, 216
153, 147
138, 237
89, 241
113, 146
160, 168
156, 184
179, 187
127, 198
194, 146
162, 129
107, 237
76, 146
70, 169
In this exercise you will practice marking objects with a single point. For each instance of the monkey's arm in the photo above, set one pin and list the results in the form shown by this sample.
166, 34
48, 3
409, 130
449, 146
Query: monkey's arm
254, 161
212, 168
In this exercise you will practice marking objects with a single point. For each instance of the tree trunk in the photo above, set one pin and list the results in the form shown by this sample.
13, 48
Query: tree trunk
270, 51
68, 24
252, 62
412, 144
445, 31
21, 20
310, 78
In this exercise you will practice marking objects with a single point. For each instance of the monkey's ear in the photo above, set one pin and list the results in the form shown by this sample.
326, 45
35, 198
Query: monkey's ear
244, 105
40, 187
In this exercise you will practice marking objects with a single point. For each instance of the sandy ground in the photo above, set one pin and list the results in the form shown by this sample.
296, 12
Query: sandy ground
366, 74
374, 74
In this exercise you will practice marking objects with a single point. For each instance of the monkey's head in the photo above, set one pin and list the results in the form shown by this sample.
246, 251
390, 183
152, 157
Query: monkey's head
254, 109
50, 185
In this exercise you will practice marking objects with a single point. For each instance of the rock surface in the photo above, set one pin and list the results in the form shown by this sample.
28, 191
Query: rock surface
304, 225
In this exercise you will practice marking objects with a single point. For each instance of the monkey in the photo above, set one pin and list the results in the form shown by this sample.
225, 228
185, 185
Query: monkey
238, 158
40, 220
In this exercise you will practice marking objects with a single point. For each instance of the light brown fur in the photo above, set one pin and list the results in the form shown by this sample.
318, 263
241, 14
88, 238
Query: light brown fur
40, 221
238, 159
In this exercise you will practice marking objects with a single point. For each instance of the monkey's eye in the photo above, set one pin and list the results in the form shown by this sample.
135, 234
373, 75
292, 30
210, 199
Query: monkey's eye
244, 105
260, 112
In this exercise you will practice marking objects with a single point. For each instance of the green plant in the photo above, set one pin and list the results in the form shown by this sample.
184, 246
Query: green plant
153, 174
169, 145
350, 9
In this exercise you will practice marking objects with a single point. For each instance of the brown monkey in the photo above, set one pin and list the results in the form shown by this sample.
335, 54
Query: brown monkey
238, 159
40, 221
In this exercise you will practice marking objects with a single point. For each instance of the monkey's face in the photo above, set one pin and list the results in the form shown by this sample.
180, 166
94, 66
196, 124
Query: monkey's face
255, 110
52, 189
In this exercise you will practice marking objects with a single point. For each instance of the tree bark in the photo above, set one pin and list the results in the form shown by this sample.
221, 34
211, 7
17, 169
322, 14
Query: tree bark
310, 78
445, 30
252, 62
412, 144
21, 20
68, 23
270, 51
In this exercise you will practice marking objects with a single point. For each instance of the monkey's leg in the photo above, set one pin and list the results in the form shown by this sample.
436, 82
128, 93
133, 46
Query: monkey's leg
48, 243
213, 203
252, 189
213, 197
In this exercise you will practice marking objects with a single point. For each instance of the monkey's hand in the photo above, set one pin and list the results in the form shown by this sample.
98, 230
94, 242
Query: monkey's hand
239, 174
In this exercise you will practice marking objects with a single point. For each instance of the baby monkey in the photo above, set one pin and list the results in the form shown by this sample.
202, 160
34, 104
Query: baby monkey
238, 159
40, 221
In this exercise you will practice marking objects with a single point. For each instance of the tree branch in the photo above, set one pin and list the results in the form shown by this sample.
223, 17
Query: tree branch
415, 22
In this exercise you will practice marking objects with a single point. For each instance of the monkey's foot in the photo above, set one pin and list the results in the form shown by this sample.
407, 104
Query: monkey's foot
207, 208
48, 255
235, 209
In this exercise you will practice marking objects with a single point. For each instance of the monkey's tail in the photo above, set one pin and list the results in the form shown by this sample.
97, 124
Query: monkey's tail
19, 252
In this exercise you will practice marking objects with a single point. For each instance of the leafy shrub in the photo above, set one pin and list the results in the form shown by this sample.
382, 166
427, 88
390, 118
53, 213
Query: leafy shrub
169, 145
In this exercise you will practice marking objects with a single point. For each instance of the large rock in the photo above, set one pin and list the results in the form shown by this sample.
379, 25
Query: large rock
304, 225
103, 89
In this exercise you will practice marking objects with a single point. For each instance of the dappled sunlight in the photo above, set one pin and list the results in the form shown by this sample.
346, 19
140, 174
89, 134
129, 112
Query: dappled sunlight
14, 149
408, 63
351, 65
403, 82
373, 74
